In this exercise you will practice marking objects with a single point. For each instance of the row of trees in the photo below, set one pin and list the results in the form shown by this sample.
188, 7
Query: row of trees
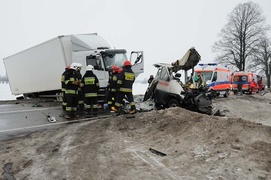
243, 42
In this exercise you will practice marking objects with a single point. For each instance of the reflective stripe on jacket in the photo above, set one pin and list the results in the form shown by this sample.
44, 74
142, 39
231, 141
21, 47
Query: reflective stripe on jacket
90, 82
126, 80
70, 77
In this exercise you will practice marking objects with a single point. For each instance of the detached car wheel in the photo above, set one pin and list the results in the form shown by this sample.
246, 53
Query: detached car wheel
173, 103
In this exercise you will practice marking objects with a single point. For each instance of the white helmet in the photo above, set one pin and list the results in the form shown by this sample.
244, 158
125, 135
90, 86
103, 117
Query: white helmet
89, 68
74, 66
79, 66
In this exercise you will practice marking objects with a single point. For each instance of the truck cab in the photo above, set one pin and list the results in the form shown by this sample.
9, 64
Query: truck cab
95, 51
103, 60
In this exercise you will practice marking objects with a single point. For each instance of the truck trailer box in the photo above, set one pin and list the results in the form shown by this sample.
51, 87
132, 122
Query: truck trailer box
35, 69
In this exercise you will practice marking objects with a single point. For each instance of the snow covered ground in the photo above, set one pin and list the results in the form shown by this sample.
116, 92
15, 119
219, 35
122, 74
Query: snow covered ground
5, 93
139, 88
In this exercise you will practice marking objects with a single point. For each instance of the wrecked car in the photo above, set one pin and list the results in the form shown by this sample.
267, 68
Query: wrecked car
167, 90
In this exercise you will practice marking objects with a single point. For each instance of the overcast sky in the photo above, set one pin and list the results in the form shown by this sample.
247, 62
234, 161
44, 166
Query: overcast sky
163, 29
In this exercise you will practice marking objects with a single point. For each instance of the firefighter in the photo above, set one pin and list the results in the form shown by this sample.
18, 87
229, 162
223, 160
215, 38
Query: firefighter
90, 89
63, 88
125, 87
80, 93
72, 84
112, 86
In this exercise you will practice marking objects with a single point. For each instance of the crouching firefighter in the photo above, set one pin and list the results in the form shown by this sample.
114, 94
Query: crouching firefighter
72, 84
90, 89
125, 87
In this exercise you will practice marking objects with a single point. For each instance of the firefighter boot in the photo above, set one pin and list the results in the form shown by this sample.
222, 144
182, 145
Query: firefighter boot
133, 111
95, 112
68, 115
75, 115
88, 114
114, 109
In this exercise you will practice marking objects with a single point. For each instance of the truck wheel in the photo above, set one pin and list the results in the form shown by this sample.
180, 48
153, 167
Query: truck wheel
173, 103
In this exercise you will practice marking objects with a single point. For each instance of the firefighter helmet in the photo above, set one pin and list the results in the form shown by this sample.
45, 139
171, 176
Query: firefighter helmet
119, 70
79, 66
89, 68
74, 66
114, 68
127, 63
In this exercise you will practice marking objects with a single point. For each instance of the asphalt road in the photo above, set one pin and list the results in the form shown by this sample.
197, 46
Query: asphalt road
23, 118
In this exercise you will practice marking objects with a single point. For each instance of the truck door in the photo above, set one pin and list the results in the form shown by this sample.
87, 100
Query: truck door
136, 58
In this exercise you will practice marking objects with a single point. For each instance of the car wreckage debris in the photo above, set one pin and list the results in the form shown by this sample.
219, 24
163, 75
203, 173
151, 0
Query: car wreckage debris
157, 152
49, 118
167, 90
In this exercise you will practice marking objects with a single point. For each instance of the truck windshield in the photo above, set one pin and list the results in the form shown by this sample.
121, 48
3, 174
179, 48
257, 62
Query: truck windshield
115, 59
207, 74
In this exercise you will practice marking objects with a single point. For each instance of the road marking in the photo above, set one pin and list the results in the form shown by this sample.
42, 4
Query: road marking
58, 123
27, 110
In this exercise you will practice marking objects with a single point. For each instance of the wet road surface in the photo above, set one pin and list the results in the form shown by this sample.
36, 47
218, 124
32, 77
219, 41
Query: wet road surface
23, 118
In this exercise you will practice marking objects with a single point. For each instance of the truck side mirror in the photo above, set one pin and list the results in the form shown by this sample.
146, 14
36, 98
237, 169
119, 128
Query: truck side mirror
138, 58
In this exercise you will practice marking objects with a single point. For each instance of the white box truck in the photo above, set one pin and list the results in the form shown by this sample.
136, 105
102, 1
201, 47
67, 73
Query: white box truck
36, 72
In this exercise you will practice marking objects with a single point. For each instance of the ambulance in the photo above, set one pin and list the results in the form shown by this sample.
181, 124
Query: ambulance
218, 78
243, 80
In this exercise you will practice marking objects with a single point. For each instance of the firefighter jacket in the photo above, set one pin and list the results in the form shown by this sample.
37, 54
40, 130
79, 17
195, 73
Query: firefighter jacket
70, 78
90, 84
63, 85
112, 82
78, 75
126, 80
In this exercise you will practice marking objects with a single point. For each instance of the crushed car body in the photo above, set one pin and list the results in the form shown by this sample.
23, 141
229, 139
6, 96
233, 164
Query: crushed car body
167, 90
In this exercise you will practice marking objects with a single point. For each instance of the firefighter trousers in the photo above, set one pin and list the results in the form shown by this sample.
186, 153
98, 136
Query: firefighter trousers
91, 105
72, 103
130, 99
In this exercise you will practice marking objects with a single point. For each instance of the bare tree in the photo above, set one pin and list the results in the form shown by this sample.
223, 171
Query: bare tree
239, 37
260, 62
